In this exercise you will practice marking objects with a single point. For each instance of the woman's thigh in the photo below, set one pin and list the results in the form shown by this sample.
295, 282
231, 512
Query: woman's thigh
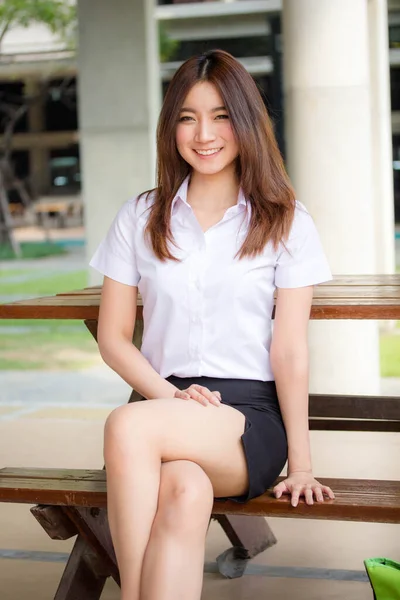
185, 430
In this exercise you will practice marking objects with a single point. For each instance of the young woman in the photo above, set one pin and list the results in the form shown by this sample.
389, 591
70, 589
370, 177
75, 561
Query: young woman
228, 397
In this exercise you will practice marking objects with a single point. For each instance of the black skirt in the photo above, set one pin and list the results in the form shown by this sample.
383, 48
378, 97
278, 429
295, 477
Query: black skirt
264, 437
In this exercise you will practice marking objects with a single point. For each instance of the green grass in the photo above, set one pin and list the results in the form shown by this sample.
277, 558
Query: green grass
47, 344
12, 272
44, 286
54, 349
390, 355
31, 250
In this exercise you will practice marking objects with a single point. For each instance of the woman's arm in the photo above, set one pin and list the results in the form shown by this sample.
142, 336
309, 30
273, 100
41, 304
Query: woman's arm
116, 324
290, 365
289, 362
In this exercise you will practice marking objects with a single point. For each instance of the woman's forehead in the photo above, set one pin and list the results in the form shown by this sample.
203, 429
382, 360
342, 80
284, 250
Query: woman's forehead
203, 96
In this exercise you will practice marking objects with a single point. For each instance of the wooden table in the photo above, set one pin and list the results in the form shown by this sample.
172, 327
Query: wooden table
346, 297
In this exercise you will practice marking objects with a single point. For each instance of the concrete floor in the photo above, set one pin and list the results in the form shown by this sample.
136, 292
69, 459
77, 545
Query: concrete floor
311, 559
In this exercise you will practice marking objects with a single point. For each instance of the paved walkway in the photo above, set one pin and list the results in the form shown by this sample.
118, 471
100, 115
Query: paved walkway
26, 392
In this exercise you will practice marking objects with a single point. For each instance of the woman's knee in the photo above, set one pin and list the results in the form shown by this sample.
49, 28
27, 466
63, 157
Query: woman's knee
125, 428
185, 497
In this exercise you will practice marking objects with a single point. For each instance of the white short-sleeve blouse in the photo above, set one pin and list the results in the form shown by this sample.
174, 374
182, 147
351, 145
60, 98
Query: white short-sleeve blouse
209, 314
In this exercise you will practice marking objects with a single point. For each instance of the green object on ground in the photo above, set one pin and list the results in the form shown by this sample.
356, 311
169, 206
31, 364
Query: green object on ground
390, 354
31, 250
384, 575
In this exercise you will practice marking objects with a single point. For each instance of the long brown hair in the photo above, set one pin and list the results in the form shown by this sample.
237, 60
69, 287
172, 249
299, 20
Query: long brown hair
260, 168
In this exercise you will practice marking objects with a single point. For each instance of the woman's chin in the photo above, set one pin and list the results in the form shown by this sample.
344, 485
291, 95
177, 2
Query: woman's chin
209, 169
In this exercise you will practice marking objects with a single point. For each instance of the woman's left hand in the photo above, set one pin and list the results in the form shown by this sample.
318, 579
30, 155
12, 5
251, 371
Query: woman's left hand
302, 483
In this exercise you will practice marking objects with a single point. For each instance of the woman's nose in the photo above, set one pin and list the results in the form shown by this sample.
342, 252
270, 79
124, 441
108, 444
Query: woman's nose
204, 132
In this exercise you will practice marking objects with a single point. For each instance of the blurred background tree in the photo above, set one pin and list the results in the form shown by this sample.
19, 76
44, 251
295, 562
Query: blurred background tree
58, 15
167, 46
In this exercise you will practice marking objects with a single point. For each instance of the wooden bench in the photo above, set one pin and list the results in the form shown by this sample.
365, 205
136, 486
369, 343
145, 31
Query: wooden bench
92, 559
72, 502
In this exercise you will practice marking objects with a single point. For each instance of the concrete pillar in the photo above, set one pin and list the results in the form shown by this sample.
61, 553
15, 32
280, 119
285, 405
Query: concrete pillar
119, 99
38, 157
382, 172
328, 141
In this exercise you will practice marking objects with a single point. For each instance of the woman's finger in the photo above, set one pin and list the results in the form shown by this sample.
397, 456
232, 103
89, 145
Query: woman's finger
318, 493
280, 489
327, 490
205, 393
211, 397
199, 397
182, 394
296, 495
308, 494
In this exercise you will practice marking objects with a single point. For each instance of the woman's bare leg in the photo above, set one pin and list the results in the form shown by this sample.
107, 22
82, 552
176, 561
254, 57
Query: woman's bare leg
174, 560
138, 438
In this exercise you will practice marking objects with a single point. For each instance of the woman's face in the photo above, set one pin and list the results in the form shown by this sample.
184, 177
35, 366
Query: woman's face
204, 135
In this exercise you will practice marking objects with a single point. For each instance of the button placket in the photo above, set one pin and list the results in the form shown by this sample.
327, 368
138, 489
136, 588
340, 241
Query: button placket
196, 307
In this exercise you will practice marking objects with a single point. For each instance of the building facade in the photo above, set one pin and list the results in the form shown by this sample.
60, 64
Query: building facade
46, 141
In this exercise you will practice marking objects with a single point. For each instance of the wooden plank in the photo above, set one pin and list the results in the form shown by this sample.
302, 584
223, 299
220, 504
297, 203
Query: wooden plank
359, 500
346, 297
354, 407
364, 298
59, 474
353, 425
87, 309
376, 279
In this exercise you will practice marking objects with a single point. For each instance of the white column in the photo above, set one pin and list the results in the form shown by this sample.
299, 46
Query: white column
382, 171
119, 99
328, 136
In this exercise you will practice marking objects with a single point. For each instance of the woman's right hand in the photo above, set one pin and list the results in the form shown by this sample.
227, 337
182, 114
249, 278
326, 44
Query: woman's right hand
199, 393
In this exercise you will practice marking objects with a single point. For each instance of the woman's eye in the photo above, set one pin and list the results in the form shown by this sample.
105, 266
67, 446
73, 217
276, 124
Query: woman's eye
182, 119
222, 117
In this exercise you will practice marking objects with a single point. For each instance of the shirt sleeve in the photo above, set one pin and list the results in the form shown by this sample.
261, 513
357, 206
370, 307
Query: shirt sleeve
116, 256
303, 261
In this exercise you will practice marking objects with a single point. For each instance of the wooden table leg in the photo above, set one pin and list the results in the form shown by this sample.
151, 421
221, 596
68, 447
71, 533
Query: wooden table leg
82, 578
92, 559
249, 536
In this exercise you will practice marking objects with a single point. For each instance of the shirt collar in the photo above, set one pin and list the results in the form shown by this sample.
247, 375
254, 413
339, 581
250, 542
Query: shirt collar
181, 194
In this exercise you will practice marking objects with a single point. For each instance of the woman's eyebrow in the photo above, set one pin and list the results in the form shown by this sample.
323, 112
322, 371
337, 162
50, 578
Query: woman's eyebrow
191, 110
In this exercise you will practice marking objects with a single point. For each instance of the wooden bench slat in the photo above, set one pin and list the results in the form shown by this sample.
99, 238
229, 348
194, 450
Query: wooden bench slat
350, 407
385, 279
51, 473
360, 500
354, 425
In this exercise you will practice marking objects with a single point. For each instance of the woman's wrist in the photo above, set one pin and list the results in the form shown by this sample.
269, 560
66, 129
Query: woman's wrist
298, 470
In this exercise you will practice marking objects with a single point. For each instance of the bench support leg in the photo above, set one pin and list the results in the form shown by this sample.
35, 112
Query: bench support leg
81, 578
92, 525
249, 536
